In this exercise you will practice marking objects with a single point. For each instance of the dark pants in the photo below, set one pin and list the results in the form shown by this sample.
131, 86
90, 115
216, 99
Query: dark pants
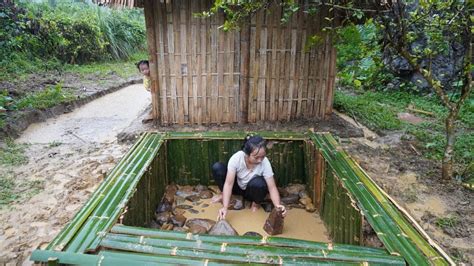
256, 189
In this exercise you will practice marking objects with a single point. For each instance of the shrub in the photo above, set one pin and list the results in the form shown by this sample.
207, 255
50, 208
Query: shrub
36, 36
359, 57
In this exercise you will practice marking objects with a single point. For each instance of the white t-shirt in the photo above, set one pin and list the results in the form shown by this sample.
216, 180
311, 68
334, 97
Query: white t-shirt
243, 174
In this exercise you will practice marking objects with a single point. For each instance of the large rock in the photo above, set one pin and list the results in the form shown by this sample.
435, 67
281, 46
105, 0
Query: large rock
282, 192
186, 191
236, 202
205, 194
444, 66
274, 223
178, 220
214, 189
295, 189
251, 233
197, 229
290, 199
222, 227
164, 205
193, 198
170, 191
206, 223
162, 217
199, 188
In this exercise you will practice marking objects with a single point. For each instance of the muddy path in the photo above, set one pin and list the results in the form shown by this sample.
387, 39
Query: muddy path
68, 156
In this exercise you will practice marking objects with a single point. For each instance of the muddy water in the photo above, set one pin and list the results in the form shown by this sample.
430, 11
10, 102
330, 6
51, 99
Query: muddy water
97, 121
299, 223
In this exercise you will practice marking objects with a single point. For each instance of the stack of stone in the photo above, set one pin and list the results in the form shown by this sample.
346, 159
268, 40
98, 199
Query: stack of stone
169, 214
295, 196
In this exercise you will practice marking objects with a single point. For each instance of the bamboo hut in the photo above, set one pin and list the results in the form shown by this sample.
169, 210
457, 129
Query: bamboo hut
264, 72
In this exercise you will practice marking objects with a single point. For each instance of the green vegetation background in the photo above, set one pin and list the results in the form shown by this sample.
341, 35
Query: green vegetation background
366, 92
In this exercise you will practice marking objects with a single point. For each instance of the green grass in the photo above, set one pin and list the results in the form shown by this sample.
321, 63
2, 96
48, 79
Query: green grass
12, 154
378, 111
369, 108
12, 190
46, 98
54, 144
55, 95
7, 185
447, 222
123, 68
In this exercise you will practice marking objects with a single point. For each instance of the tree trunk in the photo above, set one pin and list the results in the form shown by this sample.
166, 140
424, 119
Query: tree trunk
447, 165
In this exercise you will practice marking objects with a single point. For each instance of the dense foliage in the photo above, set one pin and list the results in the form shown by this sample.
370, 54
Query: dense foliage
359, 57
417, 32
36, 36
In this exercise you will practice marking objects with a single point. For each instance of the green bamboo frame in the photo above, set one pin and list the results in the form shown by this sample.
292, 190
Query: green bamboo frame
346, 195
393, 229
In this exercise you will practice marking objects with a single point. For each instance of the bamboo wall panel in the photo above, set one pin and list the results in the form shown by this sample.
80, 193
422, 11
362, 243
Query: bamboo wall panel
148, 194
197, 70
265, 72
339, 212
288, 79
190, 161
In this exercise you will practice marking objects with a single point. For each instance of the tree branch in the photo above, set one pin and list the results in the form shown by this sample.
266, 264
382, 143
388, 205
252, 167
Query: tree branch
435, 84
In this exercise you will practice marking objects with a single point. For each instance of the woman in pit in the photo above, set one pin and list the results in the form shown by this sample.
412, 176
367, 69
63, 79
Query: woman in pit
249, 174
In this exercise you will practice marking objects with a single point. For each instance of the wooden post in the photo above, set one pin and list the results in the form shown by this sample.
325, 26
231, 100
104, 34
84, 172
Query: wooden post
318, 189
244, 73
151, 41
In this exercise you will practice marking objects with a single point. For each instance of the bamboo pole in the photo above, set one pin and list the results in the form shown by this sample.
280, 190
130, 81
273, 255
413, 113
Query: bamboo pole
152, 41
388, 228
247, 240
102, 213
114, 258
417, 234
235, 252
63, 238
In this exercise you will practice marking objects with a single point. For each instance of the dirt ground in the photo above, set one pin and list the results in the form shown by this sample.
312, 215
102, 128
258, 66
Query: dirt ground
64, 169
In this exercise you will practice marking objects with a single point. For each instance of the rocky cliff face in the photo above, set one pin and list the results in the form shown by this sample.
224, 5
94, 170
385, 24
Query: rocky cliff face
446, 66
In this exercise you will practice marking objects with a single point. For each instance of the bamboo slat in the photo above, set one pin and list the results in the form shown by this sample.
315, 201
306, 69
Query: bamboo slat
121, 189
152, 41
206, 76
189, 92
245, 240
390, 229
115, 258
238, 252
63, 238
162, 77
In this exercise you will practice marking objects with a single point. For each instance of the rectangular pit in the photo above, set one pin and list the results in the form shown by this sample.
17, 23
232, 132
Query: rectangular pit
188, 162
109, 229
